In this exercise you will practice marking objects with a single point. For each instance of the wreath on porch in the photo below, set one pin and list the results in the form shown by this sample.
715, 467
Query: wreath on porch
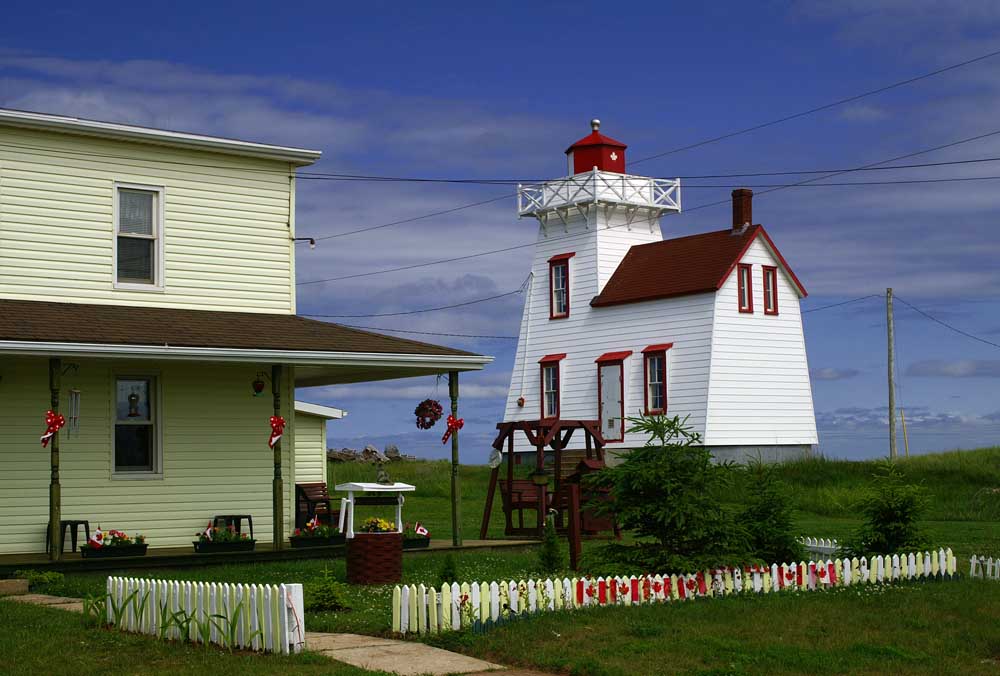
428, 412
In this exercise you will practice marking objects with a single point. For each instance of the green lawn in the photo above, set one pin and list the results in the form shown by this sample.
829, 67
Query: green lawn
929, 628
35, 640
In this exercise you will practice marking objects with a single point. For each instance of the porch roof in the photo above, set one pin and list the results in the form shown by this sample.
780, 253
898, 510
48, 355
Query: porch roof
328, 353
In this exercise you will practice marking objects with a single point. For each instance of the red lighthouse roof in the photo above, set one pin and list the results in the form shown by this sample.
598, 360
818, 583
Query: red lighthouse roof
597, 150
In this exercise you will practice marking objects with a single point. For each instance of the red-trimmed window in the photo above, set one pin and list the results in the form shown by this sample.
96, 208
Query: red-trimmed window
559, 285
770, 290
550, 384
655, 378
744, 282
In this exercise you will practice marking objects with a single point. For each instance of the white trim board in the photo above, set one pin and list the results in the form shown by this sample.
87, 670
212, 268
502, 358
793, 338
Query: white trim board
328, 412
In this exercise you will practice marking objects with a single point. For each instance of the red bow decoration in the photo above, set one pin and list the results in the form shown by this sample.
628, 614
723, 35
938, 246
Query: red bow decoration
454, 425
277, 429
53, 421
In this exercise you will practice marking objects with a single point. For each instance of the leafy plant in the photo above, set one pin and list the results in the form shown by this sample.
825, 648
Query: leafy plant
228, 625
165, 620
112, 538
325, 593
228, 534
203, 630
891, 508
767, 514
182, 621
449, 571
670, 493
95, 610
550, 554
374, 524
40, 578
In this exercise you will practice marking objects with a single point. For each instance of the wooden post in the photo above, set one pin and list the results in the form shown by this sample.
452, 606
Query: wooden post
540, 469
507, 504
55, 490
574, 526
278, 484
488, 511
456, 495
891, 336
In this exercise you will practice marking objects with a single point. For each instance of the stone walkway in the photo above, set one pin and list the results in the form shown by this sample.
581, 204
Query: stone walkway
406, 658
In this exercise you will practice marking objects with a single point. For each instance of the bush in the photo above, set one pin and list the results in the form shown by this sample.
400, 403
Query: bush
550, 554
671, 492
325, 593
767, 514
40, 578
448, 572
891, 509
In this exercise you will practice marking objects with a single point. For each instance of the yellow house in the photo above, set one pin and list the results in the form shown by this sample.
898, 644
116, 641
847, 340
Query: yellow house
147, 294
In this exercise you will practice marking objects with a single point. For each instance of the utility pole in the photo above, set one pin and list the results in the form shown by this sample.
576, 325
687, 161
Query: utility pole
891, 333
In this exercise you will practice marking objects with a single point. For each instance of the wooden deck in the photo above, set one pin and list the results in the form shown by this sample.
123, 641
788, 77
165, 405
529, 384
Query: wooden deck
184, 557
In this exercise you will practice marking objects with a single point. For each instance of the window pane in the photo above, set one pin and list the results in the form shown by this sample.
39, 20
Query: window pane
135, 212
133, 403
134, 448
135, 259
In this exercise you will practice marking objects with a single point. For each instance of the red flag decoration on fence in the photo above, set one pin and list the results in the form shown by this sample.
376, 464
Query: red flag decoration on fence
277, 429
53, 422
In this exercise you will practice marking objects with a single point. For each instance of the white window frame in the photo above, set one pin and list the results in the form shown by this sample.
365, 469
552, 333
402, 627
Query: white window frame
660, 385
156, 412
157, 285
546, 391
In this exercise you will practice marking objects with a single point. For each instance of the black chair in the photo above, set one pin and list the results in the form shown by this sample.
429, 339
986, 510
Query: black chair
74, 526
234, 520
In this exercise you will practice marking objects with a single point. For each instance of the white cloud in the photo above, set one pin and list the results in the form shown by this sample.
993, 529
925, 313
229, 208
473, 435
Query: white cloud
833, 373
961, 368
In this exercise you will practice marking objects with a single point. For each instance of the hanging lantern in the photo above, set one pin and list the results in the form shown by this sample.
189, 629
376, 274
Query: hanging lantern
133, 403
258, 384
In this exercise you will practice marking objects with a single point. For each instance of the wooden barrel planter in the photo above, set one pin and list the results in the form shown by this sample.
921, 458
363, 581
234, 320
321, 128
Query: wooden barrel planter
375, 558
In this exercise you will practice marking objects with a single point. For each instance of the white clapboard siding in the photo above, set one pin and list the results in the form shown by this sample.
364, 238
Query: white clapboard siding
226, 223
480, 605
310, 448
760, 392
267, 618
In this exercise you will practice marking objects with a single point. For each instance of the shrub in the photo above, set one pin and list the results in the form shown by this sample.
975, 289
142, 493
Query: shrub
325, 593
890, 508
550, 554
767, 514
40, 578
448, 572
671, 492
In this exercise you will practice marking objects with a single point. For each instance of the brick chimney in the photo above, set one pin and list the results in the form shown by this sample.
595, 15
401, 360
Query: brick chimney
742, 208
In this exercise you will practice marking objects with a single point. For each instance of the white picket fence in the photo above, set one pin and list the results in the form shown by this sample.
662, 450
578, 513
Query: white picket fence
250, 616
986, 568
426, 610
820, 546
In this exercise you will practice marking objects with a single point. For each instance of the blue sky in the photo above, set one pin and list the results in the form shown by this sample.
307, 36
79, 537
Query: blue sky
454, 89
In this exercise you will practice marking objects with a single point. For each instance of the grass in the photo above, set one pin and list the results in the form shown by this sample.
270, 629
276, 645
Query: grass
37, 640
932, 628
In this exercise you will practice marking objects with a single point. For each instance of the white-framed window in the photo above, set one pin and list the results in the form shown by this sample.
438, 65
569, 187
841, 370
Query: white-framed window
744, 280
770, 290
559, 285
137, 442
138, 247
656, 382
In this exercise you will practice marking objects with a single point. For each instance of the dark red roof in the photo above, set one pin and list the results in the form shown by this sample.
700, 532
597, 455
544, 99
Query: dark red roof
596, 138
682, 266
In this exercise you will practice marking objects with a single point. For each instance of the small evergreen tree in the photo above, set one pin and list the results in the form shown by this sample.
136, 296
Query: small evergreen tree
670, 493
550, 554
767, 515
891, 508
449, 571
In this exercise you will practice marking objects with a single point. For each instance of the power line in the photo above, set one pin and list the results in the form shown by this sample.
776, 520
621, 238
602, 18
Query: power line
947, 325
696, 208
518, 290
427, 333
846, 302
817, 109
960, 179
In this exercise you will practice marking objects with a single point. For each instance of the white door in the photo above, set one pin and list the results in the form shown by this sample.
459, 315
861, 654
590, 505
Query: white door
611, 402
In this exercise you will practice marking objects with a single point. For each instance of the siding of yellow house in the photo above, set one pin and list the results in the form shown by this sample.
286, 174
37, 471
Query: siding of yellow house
310, 448
228, 223
215, 458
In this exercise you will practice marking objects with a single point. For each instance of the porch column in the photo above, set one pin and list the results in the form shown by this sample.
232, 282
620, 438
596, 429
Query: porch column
278, 485
456, 495
55, 493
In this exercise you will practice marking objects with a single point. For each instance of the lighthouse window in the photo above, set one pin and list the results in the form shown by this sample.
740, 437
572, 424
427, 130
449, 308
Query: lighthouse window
745, 284
770, 290
550, 390
559, 286
656, 382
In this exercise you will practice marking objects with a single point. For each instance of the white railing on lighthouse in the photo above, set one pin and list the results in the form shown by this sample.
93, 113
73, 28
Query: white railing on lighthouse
596, 187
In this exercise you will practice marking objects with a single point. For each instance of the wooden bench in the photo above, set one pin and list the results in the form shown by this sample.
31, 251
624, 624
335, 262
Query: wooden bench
519, 495
313, 499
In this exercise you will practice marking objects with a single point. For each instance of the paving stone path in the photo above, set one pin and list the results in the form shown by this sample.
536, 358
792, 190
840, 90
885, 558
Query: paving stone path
406, 658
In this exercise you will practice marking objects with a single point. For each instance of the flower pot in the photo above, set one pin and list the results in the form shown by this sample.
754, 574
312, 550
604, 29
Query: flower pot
113, 551
419, 542
215, 547
375, 558
332, 541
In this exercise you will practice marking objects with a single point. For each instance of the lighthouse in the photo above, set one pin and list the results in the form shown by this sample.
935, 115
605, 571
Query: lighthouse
620, 322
